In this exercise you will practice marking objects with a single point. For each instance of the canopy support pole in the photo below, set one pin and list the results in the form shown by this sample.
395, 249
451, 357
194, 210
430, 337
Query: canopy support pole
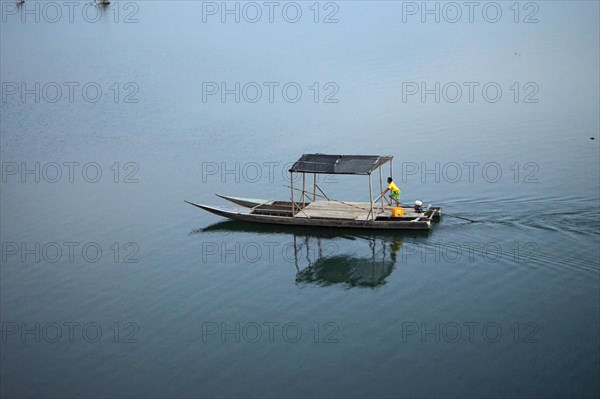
292, 196
381, 187
371, 198
303, 188
314, 187
324, 195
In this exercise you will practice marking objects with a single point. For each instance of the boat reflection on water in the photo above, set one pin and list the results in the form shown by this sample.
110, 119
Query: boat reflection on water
328, 257
352, 270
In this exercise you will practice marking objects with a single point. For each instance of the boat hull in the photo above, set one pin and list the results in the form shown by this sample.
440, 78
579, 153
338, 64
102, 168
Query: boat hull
245, 202
406, 223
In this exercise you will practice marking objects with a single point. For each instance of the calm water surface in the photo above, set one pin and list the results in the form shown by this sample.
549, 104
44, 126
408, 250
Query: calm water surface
112, 286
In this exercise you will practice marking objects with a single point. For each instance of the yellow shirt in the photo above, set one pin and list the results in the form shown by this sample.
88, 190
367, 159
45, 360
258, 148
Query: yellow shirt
394, 188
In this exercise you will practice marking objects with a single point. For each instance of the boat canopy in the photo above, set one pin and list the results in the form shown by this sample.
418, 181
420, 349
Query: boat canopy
339, 164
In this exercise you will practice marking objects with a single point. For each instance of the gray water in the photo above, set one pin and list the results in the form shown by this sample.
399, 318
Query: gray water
112, 286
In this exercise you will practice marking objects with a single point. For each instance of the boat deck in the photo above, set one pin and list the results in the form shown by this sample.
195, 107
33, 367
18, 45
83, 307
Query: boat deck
333, 210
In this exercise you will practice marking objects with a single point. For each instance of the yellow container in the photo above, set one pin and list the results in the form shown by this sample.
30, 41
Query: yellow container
397, 211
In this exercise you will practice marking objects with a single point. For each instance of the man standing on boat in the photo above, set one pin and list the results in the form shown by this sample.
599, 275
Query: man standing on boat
395, 191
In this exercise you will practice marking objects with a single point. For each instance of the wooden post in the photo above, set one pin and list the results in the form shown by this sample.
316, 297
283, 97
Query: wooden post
303, 188
371, 197
381, 187
314, 187
292, 189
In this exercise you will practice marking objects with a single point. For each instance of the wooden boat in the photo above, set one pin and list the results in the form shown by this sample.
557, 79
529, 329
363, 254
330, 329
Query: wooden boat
326, 212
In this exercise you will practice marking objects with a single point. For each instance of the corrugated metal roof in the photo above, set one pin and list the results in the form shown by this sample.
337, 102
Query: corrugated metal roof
339, 164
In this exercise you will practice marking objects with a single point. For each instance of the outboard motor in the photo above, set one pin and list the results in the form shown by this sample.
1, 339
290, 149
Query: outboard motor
418, 205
